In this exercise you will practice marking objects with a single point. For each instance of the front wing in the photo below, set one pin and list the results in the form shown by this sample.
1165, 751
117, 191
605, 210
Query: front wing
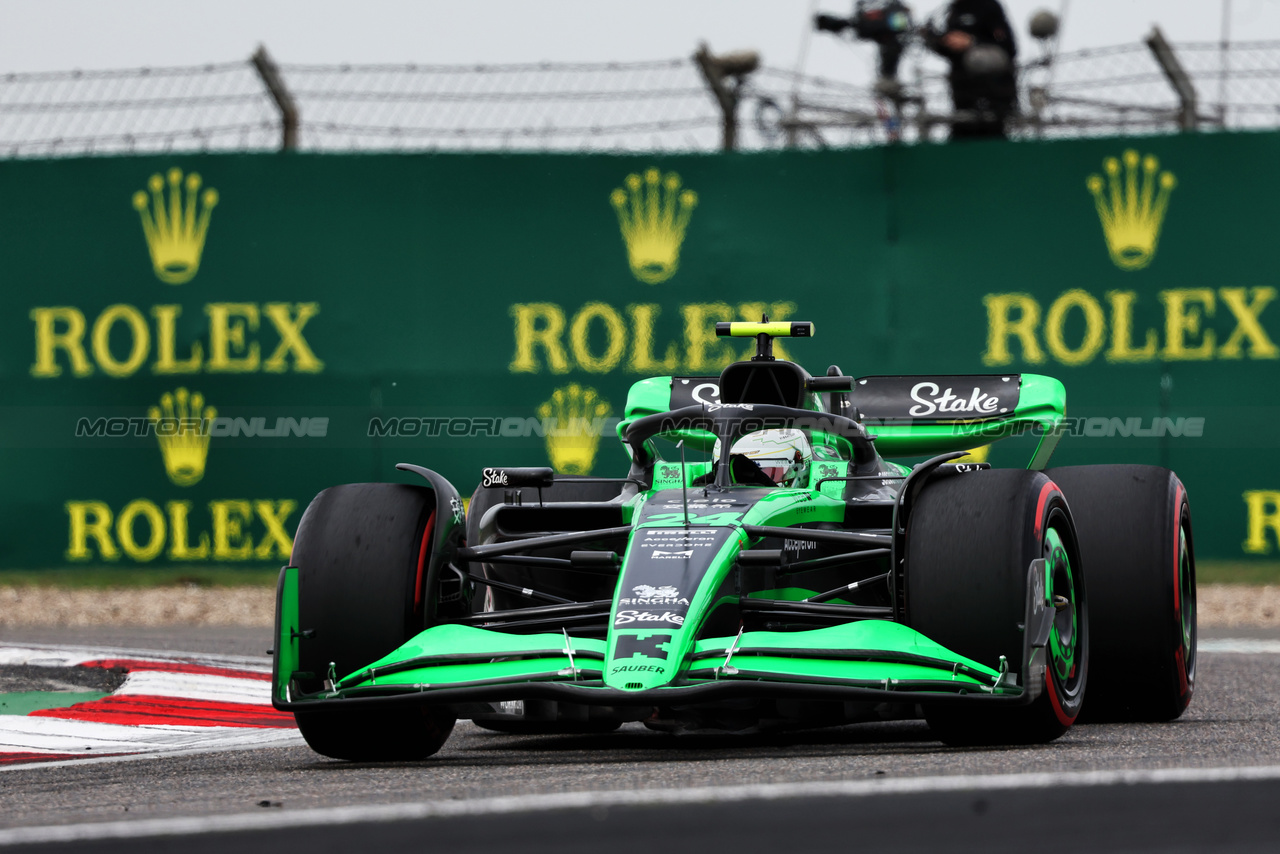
867, 660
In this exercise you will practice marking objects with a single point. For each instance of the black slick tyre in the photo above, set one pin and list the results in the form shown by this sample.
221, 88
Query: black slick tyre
387, 734
361, 550
1134, 525
970, 539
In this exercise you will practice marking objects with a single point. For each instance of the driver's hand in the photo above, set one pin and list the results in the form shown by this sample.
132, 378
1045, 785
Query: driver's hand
957, 41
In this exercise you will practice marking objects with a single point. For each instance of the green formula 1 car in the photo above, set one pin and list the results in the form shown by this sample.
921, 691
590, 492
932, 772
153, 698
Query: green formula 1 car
763, 564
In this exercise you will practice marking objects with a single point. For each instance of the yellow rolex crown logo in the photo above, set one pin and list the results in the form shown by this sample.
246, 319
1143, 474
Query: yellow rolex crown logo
175, 223
1132, 200
653, 213
573, 419
181, 422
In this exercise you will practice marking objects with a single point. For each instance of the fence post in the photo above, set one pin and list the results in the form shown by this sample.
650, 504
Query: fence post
725, 75
271, 78
1188, 116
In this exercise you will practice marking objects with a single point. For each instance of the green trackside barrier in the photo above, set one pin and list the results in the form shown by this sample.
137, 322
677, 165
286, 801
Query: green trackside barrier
192, 346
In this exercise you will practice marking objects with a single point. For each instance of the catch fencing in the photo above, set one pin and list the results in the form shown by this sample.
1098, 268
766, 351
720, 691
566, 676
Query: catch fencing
662, 105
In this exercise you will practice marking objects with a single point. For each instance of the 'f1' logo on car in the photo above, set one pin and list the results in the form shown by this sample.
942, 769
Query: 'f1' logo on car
647, 645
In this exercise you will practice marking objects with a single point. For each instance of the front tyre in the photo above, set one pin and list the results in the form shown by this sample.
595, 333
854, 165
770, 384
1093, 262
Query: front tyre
969, 542
386, 734
362, 552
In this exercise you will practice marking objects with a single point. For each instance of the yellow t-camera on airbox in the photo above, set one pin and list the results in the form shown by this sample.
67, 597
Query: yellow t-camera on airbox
764, 332
779, 329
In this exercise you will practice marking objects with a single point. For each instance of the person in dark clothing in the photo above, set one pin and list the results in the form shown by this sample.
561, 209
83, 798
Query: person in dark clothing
885, 22
976, 38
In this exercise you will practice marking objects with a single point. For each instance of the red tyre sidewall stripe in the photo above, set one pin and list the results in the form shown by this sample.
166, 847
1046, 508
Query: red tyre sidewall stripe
422, 560
1177, 554
1058, 711
1049, 685
1045, 491
1179, 657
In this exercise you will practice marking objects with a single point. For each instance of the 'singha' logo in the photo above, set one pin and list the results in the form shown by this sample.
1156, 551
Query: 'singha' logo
180, 424
653, 213
647, 591
574, 419
175, 227
1131, 204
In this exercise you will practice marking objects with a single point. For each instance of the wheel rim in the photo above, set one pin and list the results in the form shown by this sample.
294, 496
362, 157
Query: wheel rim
1187, 600
1060, 588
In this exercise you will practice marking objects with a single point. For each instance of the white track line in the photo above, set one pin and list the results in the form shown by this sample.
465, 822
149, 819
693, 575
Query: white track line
145, 828
1247, 646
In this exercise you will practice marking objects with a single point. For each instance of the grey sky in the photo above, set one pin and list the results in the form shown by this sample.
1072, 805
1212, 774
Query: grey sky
63, 34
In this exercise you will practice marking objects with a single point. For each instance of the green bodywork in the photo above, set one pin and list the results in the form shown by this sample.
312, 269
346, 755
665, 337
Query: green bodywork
875, 656
879, 656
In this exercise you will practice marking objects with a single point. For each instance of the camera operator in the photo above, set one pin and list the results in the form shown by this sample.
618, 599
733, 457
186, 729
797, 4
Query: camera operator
976, 38
885, 22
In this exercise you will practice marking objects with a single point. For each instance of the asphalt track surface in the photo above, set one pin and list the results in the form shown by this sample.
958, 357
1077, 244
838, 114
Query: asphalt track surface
1208, 782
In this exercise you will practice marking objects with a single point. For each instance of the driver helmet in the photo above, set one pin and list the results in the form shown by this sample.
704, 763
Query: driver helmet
782, 454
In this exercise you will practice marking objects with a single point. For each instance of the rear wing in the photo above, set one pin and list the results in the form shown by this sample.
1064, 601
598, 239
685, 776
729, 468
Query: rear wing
908, 416
925, 415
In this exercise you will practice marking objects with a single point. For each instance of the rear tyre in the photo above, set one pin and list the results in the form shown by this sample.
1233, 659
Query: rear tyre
361, 552
1134, 525
970, 540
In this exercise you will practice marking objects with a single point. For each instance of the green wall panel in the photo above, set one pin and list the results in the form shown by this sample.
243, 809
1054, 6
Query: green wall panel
470, 293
